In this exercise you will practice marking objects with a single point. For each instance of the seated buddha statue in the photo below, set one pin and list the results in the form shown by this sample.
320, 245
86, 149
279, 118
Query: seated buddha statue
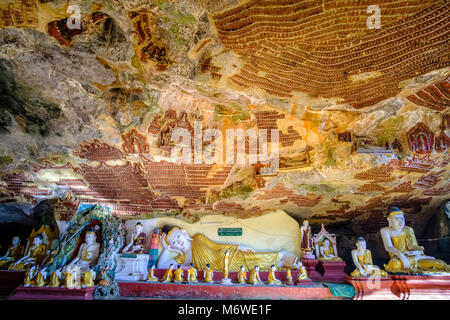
362, 258
242, 275
178, 275
151, 275
88, 253
192, 274
137, 242
254, 276
406, 256
271, 279
14, 252
327, 252
35, 255
208, 274
168, 275
200, 250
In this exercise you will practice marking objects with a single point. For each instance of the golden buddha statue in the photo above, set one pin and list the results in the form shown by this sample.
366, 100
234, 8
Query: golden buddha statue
178, 275
192, 274
89, 277
151, 275
254, 276
406, 256
40, 278
362, 258
271, 279
168, 275
242, 275
55, 278
208, 274
226, 263
302, 275
200, 250
14, 252
28, 282
288, 276
327, 251
35, 255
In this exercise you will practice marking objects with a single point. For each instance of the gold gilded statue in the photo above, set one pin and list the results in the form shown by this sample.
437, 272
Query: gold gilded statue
55, 278
168, 275
40, 278
192, 274
242, 275
327, 252
406, 256
208, 274
362, 258
271, 279
178, 275
35, 255
89, 278
302, 275
31, 273
254, 276
200, 250
14, 252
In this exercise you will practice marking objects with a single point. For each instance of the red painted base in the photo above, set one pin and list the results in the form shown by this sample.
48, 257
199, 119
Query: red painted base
332, 271
203, 290
311, 269
372, 289
32, 293
413, 287
10, 280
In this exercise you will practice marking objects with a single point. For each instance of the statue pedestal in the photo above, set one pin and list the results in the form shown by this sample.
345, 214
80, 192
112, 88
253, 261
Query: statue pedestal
305, 282
372, 288
132, 267
333, 271
10, 280
34, 293
311, 269
421, 287
226, 281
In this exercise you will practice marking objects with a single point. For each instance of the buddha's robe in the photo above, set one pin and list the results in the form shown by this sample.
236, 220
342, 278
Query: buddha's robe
366, 259
192, 275
302, 275
38, 253
271, 279
88, 279
406, 241
242, 277
167, 276
54, 281
253, 278
14, 254
178, 275
206, 251
139, 241
329, 251
208, 275
151, 277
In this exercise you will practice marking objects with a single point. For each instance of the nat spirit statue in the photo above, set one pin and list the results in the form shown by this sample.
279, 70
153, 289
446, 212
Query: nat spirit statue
14, 252
362, 258
35, 255
406, 256
200, 250
137, 242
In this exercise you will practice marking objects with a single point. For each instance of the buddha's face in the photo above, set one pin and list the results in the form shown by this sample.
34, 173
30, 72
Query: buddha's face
90, 238
37, 241
139, 228
178, 240
397, 222
15, 241
326, 243
361, 245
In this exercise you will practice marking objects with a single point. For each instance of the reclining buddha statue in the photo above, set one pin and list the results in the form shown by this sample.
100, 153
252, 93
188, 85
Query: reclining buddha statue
202, 251
406, 256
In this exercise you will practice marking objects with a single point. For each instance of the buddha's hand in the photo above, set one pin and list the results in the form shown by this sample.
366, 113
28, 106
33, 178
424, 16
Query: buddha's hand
245, 249
163, 242
414, 253
405, 262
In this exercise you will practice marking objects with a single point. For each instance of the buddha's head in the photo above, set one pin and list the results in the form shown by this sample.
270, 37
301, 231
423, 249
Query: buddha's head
38, 240
326, 243
191, 265
361, 244
171, 266
178, 239
257, 268
227, 253
396, 219
208, 266
15, 241
139, 227
273, 267
90, 237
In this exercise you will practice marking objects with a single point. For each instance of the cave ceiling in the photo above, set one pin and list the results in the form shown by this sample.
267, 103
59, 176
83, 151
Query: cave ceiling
87, 113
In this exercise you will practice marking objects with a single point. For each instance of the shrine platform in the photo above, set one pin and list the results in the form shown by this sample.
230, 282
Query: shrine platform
34, 293
372, 289
421, 287
10, 280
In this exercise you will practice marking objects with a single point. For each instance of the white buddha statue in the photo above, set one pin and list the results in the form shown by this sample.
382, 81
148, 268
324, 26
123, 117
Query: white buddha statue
88, 253
137, 242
